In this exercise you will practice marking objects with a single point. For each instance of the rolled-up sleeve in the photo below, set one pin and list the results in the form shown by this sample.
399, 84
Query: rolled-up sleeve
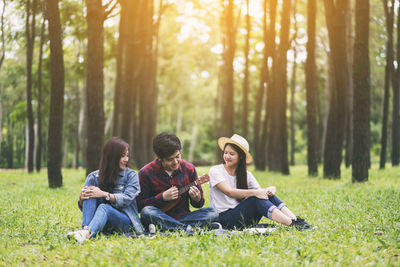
132, 189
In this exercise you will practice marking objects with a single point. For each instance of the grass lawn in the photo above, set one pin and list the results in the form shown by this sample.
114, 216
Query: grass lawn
359, 224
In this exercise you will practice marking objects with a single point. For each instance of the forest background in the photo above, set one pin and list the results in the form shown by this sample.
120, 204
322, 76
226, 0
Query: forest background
306, 82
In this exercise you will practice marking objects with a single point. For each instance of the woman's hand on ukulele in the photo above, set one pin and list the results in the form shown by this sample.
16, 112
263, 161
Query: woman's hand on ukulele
170, 194
194, 193
261, 193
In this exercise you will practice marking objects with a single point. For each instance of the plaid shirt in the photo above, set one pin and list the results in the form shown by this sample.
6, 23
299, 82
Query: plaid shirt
154, 180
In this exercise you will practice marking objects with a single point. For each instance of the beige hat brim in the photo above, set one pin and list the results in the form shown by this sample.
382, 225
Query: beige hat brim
222, 141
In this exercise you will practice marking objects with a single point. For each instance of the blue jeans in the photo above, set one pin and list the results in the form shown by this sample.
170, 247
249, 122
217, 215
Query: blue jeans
99, 216
249, 212
200, 217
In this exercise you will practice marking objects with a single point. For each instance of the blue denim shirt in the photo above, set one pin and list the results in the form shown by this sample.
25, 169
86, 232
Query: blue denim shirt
125, 191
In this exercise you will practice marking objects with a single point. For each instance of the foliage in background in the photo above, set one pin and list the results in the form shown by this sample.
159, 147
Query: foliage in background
189, 69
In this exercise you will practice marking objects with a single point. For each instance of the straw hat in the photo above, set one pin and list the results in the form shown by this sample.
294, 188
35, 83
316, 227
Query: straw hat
239, 141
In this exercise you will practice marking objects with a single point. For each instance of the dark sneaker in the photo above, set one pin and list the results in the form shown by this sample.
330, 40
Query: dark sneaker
301, 224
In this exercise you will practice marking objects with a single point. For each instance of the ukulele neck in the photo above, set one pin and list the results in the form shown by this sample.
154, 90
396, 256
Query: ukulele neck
186, 188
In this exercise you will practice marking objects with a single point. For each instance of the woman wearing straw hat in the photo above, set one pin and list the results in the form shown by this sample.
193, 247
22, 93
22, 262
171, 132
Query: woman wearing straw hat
236, 194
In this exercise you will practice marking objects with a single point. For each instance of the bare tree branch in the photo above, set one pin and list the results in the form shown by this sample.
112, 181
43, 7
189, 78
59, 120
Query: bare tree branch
109, 7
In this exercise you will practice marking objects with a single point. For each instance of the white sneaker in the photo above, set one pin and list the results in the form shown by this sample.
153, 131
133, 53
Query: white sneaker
80, 236
152, 228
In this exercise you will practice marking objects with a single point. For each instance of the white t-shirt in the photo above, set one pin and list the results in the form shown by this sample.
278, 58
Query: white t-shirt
220, 201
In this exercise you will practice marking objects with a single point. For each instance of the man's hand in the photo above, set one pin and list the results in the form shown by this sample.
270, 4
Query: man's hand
271, 190
194, 193
170, 194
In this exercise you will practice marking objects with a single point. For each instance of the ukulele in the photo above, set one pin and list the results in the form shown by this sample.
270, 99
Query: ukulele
199, 181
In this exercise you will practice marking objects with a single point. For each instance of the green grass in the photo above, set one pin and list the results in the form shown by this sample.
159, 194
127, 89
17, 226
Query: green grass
358, 225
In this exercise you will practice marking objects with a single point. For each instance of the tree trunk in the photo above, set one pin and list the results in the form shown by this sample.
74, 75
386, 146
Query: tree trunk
349, 95
65, 156
389, 14
10, 145
228, 110
361, 72
82, 127
54, 155
259, 152
26, 157
336, 22
193, 141
40, 100
396, 102
245, 103
2, 56
3, 41
148, 89
311, 90
131, 17
118, 94
292, 91
30, 40
292, 111
271, 52
95, 83
77, 104
278, 134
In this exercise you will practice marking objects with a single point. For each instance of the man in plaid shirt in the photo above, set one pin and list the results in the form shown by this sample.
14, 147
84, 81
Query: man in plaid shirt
159, 183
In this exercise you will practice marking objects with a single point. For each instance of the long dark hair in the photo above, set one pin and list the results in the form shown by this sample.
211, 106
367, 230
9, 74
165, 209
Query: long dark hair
109, 170
241, 169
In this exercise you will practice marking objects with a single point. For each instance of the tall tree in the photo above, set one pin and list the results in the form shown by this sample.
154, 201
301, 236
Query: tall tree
2, 56
396, 102
96, 14
349, 94
336, 24
118, 96
311, 90
259, 152
277, 142
137, 53
227, 115
148, 88
30, 42
389, 14
269, 104
130, 52
40, 100
95, 83
245, 103
3, 40
54, 155
361, 78
293, 89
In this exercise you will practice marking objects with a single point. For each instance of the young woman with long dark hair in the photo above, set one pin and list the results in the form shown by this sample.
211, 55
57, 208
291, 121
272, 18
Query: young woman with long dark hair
236, 194
108, 198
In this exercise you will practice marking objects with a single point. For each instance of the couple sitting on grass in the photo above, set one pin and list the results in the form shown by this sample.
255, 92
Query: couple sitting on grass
113, 196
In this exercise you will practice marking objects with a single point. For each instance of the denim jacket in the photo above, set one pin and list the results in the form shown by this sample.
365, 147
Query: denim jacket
125, 191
